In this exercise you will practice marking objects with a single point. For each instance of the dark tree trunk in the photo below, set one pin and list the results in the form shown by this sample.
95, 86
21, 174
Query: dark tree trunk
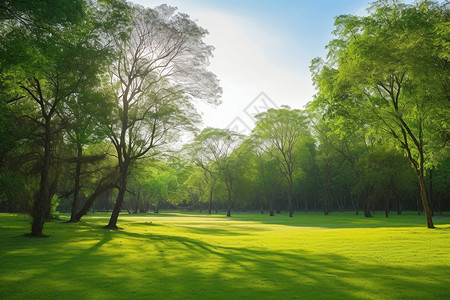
291, 210
87, 205
270, 201
367, 213
305, 202
325, 209
355, 206
158, 205
51, 193
423, 194
121, 195
366, 195
76, 191
229, 185
40, 206
210, 201
387, 194
397, 200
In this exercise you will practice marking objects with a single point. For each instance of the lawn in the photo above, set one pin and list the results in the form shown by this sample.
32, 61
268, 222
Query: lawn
177, 255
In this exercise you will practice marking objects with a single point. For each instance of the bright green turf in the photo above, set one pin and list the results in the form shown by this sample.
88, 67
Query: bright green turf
249, 256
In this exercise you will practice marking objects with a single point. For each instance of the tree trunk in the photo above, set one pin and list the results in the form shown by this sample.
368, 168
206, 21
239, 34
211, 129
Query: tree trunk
157, 205
120, 197
51, 192
87, 205
291, 211
387, 193
366, 194
41, 199
305, 202
76, 191
228, 183
397, 200
210, 201
271, 204
423, 196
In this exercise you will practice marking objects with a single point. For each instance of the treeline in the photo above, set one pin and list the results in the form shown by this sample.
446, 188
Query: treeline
96, 96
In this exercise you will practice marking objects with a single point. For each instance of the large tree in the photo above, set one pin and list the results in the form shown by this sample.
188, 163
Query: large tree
160, 69
386, 68
57, 60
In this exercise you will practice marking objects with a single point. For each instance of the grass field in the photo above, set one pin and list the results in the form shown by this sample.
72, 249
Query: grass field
248, 256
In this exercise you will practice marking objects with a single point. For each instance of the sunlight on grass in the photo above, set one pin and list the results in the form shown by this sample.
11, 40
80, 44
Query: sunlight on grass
249, 256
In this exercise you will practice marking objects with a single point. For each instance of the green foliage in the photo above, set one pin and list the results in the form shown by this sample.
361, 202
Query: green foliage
383, 74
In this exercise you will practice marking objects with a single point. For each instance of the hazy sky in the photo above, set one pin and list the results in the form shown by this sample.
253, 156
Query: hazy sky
262, 46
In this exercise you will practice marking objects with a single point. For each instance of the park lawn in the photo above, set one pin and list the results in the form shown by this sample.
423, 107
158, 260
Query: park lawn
177, 255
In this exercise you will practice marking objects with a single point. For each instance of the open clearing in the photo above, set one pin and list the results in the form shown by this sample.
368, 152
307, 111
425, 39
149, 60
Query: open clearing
177, 255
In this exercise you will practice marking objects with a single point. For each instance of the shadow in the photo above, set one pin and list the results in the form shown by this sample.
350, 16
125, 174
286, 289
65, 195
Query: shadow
84, 261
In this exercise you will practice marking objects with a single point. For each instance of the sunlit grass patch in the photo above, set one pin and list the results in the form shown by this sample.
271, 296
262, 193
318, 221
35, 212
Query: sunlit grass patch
176, 255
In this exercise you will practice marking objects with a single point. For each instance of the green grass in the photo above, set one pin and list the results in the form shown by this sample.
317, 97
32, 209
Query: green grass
249, 256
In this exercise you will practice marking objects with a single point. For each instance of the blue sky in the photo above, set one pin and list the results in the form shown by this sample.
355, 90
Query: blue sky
263, 46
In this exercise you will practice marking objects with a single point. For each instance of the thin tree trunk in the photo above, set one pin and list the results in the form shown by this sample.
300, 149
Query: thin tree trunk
366, 195
305, 202
157, 205
76, 192
87, 205
291, 210
230, 200
210, 201
51, 192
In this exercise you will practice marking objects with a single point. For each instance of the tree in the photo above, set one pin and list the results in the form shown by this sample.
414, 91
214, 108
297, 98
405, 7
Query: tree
57, 61
384, 67
281, 130
266, 175
212, 151
82, 115
160, 69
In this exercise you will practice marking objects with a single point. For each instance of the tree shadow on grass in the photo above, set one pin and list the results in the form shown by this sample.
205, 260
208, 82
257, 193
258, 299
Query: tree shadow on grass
103, 264
312, 219
176, 267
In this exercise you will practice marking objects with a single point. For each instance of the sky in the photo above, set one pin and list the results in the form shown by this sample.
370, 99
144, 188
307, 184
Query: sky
263, 50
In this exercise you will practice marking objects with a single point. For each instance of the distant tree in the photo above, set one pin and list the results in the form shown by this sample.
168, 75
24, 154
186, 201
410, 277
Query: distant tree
280, 131
212, 151
266, 175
